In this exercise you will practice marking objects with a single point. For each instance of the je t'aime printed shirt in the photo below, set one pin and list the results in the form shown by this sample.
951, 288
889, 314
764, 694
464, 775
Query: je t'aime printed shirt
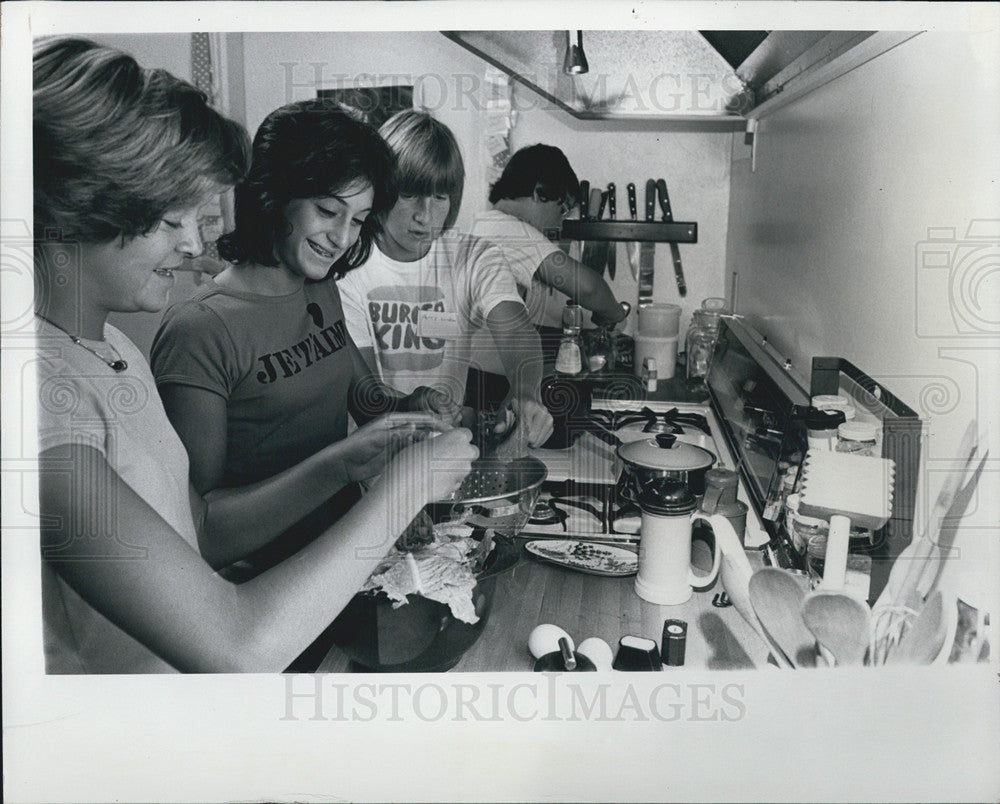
284, 365
418, 317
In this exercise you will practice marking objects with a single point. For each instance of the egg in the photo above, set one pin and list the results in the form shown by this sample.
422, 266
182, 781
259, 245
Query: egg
545, 639
598, 651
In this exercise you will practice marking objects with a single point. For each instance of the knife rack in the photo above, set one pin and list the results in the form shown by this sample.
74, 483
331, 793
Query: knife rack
631, 231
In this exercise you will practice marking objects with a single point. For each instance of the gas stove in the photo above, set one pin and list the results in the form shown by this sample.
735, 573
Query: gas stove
580, 499
751, 421
746, 420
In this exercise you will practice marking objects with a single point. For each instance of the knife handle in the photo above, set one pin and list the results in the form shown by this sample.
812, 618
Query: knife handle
632, 209
597, 200
664, 199
612, 202
584, 200
650, 200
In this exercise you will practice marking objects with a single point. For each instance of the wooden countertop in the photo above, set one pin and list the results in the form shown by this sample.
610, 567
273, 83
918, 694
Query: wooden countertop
534, 592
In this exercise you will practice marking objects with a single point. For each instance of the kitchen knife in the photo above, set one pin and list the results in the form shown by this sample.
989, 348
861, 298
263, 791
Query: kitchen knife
647, 250
584, 211
612, 246
593, 255
675, 252
633, 245
603, 246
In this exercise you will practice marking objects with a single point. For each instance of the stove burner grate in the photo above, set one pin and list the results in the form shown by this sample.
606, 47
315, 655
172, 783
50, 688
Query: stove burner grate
671, 421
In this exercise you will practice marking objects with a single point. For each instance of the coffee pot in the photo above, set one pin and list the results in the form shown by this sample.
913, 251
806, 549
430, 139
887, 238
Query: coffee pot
665, 575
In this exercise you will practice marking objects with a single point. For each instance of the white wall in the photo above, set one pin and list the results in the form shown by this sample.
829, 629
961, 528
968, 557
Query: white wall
828, 233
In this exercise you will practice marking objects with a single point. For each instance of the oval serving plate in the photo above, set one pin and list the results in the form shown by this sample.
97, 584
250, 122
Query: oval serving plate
596, 559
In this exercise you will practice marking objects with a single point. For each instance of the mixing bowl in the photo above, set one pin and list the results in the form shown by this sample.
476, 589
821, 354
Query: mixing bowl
423, 635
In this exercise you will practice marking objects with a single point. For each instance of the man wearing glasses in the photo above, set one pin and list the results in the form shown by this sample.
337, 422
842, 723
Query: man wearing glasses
536, 191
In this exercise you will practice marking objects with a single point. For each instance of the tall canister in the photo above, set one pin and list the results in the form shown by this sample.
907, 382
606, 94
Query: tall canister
656, 338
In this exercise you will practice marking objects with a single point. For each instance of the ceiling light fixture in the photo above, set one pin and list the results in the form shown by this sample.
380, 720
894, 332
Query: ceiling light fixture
575, 62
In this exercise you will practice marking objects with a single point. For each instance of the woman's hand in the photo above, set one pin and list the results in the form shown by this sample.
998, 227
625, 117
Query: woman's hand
367, 450
433, 467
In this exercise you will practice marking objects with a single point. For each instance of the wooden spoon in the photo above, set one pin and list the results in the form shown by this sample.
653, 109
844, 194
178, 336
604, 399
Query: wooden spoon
842, 624
922, 643
777, 601
736, 579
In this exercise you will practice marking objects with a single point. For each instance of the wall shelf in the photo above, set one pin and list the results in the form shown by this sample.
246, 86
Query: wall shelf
649, 231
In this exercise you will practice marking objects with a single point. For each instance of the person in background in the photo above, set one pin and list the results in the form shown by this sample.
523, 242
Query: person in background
257, 371
414, 305
533, 195
124, 160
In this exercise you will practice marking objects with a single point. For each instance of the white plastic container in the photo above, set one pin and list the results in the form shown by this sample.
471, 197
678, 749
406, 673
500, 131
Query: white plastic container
662, 350
659, 320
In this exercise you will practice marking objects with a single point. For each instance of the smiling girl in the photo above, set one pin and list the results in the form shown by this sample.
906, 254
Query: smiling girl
257, 371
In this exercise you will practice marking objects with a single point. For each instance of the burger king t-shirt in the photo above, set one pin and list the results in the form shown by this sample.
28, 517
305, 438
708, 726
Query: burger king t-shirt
418, 317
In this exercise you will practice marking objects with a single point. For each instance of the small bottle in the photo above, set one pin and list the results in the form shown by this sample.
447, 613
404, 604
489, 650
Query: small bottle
624, 352
649, 374
859, 438
570, 357
601, 354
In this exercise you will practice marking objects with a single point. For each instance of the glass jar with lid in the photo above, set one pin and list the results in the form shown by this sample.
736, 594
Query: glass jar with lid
859, 438
699, 344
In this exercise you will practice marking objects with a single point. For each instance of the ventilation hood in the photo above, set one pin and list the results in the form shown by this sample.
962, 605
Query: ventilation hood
724, 76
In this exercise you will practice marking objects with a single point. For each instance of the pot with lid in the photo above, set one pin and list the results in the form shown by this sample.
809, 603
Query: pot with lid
649, 464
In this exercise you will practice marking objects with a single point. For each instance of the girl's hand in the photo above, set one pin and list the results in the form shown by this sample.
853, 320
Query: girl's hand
434, 467
367, 450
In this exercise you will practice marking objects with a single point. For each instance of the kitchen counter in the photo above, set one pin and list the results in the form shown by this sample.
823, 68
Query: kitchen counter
534, 592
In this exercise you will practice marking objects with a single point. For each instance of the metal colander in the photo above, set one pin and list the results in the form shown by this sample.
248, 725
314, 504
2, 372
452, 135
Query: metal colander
498, 495
492, 480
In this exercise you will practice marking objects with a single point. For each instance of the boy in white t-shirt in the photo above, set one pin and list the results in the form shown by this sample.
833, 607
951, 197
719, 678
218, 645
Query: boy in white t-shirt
414, 305
533, 195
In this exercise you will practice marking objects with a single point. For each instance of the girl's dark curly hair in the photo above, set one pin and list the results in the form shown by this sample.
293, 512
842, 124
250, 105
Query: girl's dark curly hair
308, 149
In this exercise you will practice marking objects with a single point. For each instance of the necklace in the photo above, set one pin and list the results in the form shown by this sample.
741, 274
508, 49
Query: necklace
118, 365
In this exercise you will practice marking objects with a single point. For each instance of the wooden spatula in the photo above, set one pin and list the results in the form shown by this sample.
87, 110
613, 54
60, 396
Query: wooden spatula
922, 643
777, 601
841, 624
